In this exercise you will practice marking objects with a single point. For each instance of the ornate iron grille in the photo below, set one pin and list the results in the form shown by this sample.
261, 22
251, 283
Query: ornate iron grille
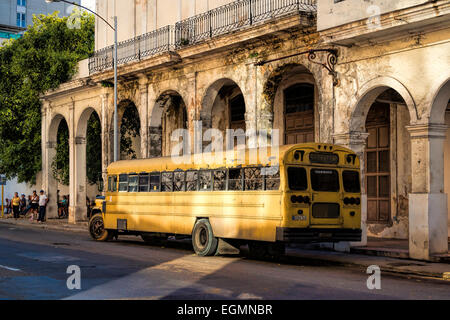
235, 16
149, 44
222, 20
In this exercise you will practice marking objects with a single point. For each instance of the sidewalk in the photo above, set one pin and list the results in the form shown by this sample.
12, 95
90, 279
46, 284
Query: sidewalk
50, 224
306, 256
391, 248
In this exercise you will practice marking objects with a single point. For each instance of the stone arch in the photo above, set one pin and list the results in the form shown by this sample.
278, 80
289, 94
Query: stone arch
83, 188
440, 102
440, 114
224, 106
50, 183
369, 93
168, 114
385, 109
283, 77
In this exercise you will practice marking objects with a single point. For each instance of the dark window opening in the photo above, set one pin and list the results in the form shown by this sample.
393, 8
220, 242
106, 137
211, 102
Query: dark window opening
237, 108
351, 181
325, 180
235, 179
297, 179
299, 98
112, 183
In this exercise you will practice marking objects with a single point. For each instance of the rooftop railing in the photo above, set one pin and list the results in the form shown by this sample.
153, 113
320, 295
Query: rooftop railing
220, 21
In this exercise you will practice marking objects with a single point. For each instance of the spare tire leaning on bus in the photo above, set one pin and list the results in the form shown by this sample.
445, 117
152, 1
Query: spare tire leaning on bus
97, 229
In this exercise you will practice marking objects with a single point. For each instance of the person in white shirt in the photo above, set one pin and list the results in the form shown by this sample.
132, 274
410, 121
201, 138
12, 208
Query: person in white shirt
43, 200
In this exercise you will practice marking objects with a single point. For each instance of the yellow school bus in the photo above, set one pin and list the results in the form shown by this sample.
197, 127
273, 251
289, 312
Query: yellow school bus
306, 193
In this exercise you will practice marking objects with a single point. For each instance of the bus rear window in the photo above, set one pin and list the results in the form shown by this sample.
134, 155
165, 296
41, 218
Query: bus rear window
351, 181
325, 180
297, 179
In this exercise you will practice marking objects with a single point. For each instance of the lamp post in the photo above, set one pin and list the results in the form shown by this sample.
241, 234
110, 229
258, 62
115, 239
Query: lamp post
114, 28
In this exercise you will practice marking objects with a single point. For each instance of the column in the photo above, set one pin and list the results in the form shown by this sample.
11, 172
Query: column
428, 234
356, 141
105, 133
48, 153
143, 90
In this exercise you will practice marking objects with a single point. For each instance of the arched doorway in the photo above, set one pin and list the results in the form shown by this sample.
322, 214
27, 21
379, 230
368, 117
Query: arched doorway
60, 164
88, 164
299, 113
387, 165
224, 108
292, 95
129, 132
56, 162
169, 114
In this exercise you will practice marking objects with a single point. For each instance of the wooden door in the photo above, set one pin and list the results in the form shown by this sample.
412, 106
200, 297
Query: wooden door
299, 114
377, 164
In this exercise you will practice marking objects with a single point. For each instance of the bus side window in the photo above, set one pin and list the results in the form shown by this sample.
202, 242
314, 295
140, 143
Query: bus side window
205, 178
235, 179
114, 184
220, 180
143, 182
123, 183
155, 182
272, 176
253, 179
167, 181
191, 180
110, 182
179, 181
133, 183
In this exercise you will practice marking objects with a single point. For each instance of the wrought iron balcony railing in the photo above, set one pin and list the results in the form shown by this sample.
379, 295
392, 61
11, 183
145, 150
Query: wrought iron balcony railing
222, 20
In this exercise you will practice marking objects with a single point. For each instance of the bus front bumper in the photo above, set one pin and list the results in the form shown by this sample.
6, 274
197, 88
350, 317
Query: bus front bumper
305, 235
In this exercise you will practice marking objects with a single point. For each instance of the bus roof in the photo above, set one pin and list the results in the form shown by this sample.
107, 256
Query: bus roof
203, 161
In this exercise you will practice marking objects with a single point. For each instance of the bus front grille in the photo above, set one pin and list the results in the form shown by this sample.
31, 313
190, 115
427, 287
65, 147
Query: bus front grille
326, 211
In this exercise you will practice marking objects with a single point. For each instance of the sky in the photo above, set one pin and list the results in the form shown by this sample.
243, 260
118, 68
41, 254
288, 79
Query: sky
89, 3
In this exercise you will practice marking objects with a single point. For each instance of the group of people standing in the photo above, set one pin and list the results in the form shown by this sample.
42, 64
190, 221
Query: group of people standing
36, 206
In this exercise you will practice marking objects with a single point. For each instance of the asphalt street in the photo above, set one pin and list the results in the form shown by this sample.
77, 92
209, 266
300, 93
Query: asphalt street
34, 264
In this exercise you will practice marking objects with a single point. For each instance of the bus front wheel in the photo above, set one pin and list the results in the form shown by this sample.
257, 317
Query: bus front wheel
97, 229
203, 240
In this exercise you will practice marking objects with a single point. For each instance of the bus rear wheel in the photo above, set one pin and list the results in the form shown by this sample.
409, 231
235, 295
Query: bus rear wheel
97, 229
203, 240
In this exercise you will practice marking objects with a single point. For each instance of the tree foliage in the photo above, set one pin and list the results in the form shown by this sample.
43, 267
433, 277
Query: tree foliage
46, 56
60, 166
129, 129
94, 149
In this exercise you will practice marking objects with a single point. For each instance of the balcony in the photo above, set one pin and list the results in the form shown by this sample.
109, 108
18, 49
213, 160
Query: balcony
223, 20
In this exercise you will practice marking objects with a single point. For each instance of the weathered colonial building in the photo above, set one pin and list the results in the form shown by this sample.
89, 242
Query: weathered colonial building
371, 75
